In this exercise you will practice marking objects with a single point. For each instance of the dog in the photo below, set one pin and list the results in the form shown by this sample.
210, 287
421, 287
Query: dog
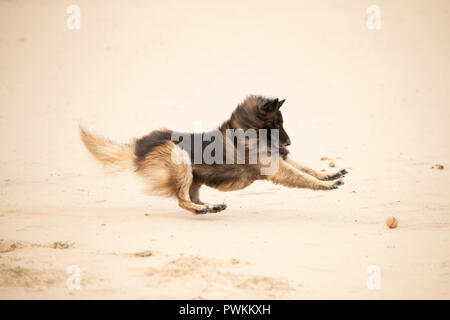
171, 168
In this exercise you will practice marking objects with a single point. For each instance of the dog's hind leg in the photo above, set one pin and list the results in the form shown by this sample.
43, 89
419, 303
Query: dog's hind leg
290, 176
314, 173
167, 171
187, 191
195, 205
192, 207
194, 193
195, 198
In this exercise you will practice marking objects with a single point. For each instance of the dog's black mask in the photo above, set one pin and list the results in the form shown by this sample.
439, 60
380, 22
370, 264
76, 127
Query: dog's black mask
272, 118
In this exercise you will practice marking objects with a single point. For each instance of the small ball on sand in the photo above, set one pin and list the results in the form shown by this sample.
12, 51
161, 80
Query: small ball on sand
392, 223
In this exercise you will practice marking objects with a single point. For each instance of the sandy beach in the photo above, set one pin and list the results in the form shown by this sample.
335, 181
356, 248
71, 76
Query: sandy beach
374, 101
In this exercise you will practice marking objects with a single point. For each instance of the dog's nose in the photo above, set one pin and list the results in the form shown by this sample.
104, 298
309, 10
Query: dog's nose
288, 143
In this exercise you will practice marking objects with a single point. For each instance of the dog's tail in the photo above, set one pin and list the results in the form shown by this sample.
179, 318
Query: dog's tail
114, 156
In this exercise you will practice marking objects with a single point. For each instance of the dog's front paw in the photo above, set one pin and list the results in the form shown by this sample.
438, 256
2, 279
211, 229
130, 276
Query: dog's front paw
337, 183
337, 175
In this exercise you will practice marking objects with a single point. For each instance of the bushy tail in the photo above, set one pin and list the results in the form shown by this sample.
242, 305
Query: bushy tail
114, 156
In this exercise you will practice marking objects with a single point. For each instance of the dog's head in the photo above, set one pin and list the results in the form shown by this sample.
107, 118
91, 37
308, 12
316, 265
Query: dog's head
258, 112
273, 119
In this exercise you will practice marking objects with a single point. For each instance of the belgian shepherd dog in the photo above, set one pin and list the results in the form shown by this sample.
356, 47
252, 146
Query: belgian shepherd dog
171, 168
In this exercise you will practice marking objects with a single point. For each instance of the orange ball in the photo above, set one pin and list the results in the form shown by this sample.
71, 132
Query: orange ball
391, 222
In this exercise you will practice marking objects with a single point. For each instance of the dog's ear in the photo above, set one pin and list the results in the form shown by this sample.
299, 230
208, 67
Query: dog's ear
280, 103
270, 106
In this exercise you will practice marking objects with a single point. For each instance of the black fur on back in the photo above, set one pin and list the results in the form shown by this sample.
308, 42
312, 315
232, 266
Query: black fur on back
149, 142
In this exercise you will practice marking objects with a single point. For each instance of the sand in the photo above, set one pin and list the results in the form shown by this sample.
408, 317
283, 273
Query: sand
376, 102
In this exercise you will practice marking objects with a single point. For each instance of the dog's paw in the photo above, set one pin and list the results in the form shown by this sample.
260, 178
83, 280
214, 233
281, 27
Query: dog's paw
217, 207
337, 183
337, 175
211, 208
202, 211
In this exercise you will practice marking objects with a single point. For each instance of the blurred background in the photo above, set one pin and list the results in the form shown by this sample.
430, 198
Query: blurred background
375, 100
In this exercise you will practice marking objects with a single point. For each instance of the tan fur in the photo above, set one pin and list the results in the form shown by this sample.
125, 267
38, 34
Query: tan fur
289, 176
167, 171
162, 175
114, 156
312, 172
